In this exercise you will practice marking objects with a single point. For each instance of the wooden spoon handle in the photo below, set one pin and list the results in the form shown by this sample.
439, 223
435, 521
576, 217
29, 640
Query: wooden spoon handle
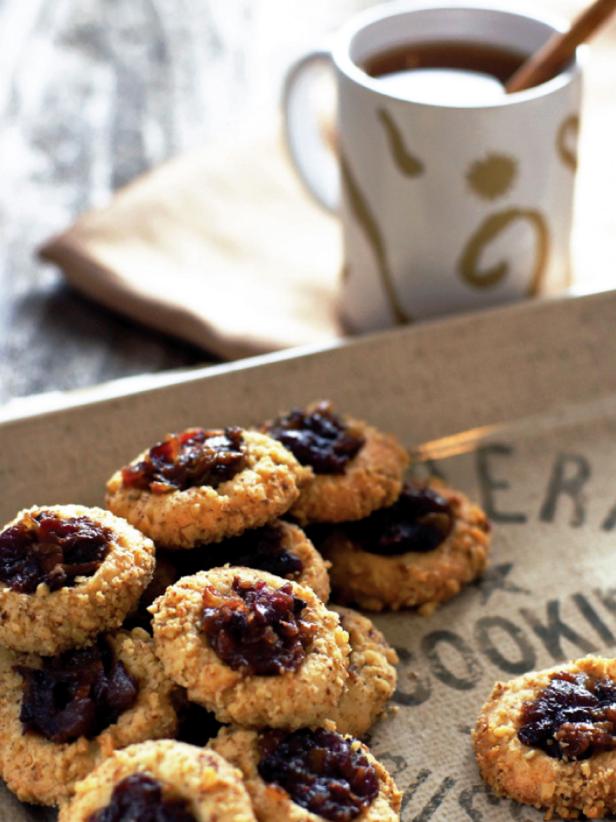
560, 48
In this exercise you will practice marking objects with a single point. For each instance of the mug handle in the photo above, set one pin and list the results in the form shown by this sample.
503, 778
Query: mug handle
313, 156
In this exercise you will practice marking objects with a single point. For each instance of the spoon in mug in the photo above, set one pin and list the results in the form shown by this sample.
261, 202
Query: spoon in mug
560, 48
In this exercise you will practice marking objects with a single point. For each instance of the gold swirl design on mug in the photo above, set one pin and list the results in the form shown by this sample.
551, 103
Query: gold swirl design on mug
406, 162
364, 216
489, 230
493, 176
569, 128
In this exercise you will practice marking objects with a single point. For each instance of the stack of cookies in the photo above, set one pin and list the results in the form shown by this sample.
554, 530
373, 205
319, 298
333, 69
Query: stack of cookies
196, 605
74, 686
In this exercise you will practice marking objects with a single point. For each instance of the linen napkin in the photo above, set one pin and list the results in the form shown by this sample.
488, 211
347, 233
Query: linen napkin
220, 246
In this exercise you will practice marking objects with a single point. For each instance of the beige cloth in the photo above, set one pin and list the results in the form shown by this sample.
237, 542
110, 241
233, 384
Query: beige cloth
220, 247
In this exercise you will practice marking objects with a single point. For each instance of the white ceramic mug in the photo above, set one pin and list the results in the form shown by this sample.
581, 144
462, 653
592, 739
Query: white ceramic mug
444, 207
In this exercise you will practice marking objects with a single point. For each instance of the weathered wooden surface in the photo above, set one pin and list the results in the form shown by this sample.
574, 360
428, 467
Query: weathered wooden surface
93, 92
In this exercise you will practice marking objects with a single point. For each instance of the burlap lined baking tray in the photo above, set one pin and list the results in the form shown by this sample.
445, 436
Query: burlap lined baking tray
516, 406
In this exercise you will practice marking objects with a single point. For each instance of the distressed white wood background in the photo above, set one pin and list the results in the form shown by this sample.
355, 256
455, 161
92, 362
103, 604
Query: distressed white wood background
93, 92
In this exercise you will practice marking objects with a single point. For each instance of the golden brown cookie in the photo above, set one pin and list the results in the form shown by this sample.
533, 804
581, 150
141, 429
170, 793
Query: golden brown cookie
583, 780
195, 780
354, 467
202, 486
253, 648
422, 550
314, 571
67, 573
279, 548
372, 675
165, 574
371, 790
42, 771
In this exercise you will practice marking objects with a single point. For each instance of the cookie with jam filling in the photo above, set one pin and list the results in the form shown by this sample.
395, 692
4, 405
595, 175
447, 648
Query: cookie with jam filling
161, 780
548, 739
201, 486
67, 573
60, 716
372, 675
418, 552
252, 647
279, 548
310, 774
354, 468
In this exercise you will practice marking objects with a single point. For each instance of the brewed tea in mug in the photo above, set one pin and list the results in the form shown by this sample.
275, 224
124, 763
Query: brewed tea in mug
452, 194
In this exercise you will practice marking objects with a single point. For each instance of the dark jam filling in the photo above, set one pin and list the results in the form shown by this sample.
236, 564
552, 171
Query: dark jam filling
78, 693
320, 771
573, 718
181, 461
420, 520
258, 629
139, 797
318, 438
259, 548
196, 725
52, 550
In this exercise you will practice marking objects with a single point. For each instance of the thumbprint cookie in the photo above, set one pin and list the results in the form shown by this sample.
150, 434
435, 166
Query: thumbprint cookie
280, 548
60, 716
66, 574
201, 486
354, 468
372, 675
162, 780
418, 552
252, 647
548, 739
310, 774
